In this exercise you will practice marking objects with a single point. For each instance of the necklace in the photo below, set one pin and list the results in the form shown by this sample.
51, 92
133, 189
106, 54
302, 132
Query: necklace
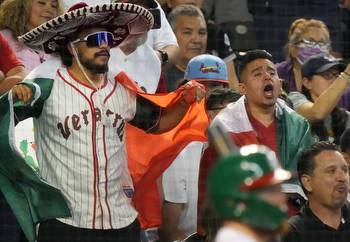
99, 93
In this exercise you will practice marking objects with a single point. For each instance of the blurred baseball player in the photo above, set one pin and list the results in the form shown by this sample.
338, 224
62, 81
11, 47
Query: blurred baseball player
244, 191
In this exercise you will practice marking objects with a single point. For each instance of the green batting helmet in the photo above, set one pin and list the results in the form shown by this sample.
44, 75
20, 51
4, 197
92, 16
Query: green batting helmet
234, 183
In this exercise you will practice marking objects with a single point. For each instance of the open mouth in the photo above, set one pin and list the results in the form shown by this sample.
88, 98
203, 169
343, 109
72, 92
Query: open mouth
268, 90
268, 87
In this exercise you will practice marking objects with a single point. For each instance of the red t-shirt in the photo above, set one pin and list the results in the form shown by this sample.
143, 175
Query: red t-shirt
8, 58
265, 135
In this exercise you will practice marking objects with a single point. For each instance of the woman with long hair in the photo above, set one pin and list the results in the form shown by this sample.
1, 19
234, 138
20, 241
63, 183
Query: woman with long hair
16, 18
20, 16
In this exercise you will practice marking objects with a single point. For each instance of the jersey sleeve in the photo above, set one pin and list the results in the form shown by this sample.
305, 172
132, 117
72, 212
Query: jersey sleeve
41, 89
147, 115
8, 58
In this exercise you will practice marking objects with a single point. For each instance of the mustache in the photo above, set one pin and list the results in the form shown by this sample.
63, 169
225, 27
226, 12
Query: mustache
342, 185
102, 53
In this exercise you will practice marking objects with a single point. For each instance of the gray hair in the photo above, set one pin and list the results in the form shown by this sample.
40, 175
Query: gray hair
183, 10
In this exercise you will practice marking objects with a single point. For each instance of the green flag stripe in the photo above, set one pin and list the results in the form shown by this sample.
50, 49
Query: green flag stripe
31, 199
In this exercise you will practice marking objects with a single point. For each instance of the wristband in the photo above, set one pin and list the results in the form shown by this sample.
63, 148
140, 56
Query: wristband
164, 56
346, 73
345, 76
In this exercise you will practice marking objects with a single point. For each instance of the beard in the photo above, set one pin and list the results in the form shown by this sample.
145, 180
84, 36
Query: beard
93, 67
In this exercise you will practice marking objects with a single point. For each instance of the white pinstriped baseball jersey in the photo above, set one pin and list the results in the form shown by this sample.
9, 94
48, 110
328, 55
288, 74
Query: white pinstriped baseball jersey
81, 150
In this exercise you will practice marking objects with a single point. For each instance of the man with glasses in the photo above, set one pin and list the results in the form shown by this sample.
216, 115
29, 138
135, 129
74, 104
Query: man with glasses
80, 107
324, 82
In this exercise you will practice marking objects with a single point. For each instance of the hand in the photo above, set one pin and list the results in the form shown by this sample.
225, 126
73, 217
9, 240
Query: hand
193, 91
22, 93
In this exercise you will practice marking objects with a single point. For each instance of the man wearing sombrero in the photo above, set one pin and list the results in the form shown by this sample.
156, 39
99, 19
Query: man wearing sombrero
80, 106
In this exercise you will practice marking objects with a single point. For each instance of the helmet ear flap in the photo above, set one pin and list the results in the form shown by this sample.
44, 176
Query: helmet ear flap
250, 209
234, 205
263, 215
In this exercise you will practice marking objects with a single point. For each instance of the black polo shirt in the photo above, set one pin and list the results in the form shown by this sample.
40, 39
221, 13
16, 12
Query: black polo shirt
306, 227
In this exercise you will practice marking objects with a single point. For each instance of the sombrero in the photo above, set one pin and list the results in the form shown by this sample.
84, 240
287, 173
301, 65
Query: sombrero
127, 22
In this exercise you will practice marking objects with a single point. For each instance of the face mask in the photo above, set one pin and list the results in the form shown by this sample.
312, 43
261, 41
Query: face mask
306, 52
308, 48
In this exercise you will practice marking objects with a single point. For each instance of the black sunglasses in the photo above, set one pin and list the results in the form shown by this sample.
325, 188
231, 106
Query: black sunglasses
96, 39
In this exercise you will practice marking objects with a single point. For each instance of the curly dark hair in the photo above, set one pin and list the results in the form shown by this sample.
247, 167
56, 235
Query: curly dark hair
63, 52
219, 96
15, 14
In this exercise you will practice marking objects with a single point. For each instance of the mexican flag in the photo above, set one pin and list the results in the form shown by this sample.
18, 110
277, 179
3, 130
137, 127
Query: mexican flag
31, 198
293, 131
149, 155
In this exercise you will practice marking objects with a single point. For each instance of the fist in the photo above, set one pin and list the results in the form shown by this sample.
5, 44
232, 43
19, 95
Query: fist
193, 92
22, 93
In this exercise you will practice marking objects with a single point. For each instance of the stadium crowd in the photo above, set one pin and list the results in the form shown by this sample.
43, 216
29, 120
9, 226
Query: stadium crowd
174, 120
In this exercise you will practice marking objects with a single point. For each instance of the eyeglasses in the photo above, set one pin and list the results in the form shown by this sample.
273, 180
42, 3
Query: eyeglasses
304, 43
96, 39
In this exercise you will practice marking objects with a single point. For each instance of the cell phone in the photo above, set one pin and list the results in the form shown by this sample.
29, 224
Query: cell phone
150, 5
156, 16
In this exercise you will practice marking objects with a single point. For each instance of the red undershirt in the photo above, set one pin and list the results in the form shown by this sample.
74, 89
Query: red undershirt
265, 135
